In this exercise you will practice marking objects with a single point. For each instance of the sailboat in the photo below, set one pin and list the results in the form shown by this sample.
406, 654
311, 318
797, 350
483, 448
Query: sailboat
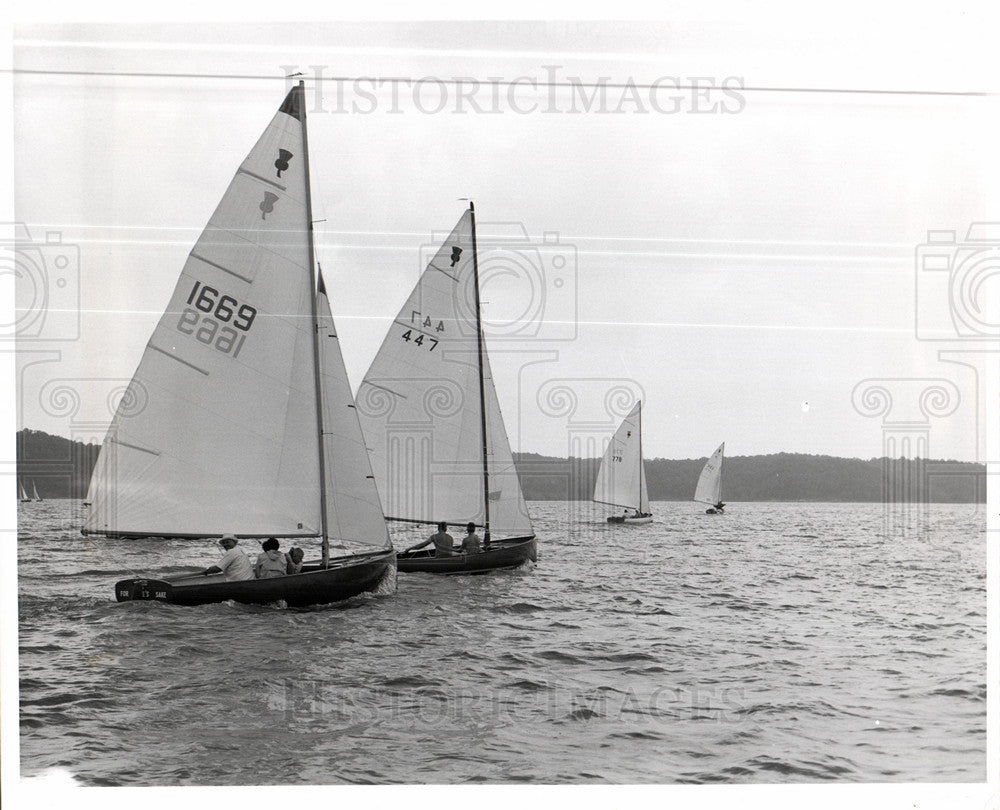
22, 493
239, 418
432, 420
621, 479
709, 489
34, 492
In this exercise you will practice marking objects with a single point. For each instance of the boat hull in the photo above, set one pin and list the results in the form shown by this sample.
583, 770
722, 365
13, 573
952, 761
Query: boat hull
631, 521
314, 586
505, 554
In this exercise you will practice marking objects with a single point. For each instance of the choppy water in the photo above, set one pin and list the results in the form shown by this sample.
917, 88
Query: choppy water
779, 643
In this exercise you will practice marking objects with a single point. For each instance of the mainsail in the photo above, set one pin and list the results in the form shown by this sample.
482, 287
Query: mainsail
217, 431
429, 408
34, 492
621, 479
709, 489
353, 510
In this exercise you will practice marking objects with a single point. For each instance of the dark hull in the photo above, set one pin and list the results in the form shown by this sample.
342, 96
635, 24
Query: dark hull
314, 586
505, 554
631, 520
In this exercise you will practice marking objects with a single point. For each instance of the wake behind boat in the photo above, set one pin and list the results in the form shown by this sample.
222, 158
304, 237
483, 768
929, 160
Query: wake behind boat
709, 488
621, 479
239, 418
431, 416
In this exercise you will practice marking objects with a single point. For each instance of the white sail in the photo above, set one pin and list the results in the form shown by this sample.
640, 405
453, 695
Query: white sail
421, 407
353, 510
22, 493
34, 492
709, 489
621, 479
218, 429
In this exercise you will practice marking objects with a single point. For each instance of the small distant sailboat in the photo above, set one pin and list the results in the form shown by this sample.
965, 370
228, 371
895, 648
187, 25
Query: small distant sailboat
621, 479
239, 418
34, 490
22, 493
432, 420
709, 489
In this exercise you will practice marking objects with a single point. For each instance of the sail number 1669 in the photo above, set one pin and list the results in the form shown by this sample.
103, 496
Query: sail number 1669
205, 321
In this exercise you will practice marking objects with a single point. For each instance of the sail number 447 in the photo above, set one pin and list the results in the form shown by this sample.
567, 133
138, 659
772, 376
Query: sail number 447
209, 314
420, 337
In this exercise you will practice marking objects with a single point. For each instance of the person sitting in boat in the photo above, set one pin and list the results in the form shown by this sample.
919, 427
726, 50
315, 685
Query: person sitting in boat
234, 563
471, 543
270, 562
294, 560
444, 543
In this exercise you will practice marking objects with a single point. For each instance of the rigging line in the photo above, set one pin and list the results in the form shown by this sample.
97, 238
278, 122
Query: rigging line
517, 82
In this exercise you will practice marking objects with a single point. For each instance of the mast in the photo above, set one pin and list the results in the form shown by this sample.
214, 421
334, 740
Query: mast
315, 327
482, 386
722, 457
638, 511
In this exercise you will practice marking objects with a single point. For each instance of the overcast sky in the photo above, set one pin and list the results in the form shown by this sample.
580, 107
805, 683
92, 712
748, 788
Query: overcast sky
746, 260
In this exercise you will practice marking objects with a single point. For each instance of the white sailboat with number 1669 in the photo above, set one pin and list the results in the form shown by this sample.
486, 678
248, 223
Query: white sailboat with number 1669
239, 418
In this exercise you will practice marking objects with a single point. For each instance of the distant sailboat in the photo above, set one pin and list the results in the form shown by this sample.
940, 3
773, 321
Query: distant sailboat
432, 420
238, 419
621, 479
22, 493
35, 496
709, 489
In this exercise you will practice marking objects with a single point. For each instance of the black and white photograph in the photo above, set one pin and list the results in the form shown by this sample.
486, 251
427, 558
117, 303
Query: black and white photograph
453, 399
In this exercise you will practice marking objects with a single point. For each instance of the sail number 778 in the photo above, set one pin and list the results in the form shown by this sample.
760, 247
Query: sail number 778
216, 320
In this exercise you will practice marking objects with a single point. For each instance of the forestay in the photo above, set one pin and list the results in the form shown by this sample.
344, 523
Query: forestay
621, 479
218, 429
421, 409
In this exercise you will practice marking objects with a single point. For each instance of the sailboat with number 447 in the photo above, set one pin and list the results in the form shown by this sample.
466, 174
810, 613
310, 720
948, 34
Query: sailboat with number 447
431, 416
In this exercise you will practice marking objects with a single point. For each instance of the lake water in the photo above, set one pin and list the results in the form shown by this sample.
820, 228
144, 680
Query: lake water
777, 643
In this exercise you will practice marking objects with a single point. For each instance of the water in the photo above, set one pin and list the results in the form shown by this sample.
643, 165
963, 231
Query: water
778, 643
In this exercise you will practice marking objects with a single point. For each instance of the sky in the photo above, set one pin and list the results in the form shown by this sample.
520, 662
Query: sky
745, 249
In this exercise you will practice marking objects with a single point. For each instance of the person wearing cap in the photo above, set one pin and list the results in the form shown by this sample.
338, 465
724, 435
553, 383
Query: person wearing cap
234, 563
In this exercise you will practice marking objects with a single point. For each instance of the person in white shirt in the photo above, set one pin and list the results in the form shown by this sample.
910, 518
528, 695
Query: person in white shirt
234, 563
